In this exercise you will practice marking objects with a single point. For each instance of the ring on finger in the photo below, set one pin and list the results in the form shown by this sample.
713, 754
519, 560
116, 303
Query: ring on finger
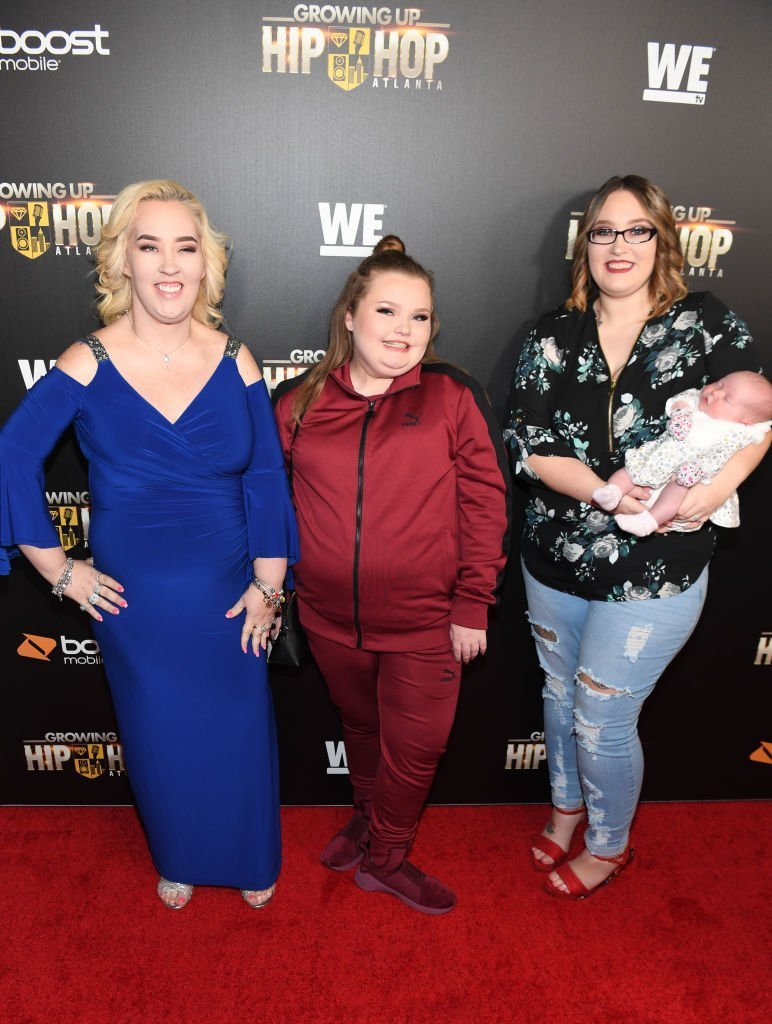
93, 598
83, 607
98, 579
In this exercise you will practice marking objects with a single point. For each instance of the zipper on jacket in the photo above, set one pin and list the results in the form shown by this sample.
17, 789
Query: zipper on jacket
358, 530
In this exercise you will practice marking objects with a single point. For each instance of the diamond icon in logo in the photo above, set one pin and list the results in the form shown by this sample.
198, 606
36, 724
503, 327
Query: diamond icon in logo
339, 38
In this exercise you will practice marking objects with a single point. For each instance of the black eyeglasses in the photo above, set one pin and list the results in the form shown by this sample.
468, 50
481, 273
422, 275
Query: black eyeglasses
607, 236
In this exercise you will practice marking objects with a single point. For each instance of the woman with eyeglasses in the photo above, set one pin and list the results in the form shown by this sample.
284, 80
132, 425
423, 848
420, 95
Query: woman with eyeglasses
609, 610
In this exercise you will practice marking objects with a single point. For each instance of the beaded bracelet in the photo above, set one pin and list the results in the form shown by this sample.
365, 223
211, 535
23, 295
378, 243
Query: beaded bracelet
272, 598
64, 580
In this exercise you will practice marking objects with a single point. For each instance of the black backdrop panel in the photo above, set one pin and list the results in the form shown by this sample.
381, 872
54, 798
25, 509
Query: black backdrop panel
477, 132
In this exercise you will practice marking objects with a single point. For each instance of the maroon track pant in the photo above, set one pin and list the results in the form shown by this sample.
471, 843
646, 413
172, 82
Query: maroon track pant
397, 709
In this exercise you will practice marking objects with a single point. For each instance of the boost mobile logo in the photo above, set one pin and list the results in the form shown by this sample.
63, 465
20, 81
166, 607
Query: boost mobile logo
74, 652
763, 754
667, 66
34, 646
41, 49
404, 56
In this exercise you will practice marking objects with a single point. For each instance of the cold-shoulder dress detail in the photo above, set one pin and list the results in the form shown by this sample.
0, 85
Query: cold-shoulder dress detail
179, 511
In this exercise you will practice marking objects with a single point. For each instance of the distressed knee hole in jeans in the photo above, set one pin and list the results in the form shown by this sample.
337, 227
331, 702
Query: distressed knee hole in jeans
543, 635
596, 689
554, 688
587, 733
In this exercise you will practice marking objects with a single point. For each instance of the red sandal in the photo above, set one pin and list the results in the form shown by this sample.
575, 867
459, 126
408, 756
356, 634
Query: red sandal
550, 847
577, 890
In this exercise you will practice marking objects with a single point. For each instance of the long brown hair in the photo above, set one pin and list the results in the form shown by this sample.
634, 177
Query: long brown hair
340, 347
666, 283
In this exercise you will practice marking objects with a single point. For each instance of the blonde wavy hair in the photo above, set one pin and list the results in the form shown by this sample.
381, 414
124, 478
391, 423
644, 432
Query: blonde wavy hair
666, 284
114, 287
340, 346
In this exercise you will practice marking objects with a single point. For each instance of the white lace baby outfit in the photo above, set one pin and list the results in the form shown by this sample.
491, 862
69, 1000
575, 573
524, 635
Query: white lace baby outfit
693, 449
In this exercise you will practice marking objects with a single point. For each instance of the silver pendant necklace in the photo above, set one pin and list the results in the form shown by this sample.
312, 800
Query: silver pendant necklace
166, 356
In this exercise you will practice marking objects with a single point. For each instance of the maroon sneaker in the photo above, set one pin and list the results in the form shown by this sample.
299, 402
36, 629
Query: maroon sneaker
344, 850
398, 877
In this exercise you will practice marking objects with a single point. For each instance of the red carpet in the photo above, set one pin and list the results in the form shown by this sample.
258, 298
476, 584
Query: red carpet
682, 937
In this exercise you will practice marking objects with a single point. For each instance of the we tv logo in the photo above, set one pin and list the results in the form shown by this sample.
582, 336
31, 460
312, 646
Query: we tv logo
670, 65
336, 757
350, 229
33, 369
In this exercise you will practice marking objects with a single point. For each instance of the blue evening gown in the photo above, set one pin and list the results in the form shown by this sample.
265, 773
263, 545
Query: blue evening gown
179, 510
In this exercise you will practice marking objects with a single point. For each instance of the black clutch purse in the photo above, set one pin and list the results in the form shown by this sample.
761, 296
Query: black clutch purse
290, 648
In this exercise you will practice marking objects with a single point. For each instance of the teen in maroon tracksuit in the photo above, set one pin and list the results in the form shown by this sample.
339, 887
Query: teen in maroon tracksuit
400, 485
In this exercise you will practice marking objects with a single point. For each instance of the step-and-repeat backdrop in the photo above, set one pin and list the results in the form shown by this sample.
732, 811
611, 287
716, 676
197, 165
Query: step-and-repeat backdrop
476, 132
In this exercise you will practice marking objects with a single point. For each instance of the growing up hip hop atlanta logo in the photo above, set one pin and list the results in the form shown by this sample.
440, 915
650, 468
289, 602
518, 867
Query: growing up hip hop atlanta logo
525, 754
72, 520
764, 650
91, 754
300, 359
41, 216
389, 48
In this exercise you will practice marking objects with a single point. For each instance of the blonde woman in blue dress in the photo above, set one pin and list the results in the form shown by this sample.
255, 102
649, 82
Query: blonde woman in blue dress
191, 532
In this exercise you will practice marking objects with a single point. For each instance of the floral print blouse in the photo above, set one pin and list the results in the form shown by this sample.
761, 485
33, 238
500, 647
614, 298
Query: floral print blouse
565, 404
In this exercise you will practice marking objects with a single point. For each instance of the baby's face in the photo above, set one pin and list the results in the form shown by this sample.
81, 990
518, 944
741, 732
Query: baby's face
728, 399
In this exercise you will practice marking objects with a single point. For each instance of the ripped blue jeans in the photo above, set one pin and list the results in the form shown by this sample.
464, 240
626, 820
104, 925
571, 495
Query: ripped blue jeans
593, 751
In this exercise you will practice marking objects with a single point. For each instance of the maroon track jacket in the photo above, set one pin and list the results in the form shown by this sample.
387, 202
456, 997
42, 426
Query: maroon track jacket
402, 503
